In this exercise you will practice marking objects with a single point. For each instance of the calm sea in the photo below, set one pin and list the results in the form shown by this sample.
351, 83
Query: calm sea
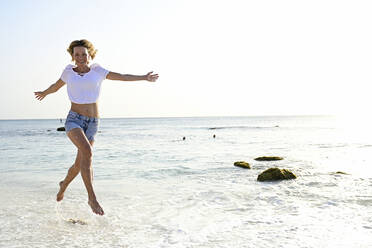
159, 190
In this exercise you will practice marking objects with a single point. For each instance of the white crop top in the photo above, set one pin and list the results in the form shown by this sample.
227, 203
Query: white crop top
86, 88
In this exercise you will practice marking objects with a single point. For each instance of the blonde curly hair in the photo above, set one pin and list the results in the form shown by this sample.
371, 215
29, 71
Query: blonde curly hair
82, 43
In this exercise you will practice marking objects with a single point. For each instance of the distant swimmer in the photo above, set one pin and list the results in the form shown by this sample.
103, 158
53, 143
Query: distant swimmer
83, 88
184, 138
214, 136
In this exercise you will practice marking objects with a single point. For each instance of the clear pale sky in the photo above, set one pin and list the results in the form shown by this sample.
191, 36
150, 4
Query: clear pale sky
214, 58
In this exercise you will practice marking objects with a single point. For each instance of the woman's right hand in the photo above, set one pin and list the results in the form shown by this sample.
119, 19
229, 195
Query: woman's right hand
39, 95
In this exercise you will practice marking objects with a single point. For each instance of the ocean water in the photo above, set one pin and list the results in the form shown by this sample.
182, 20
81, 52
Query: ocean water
158, 190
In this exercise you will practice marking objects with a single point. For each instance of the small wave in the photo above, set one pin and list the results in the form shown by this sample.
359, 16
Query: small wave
30, 133
240, 127
364, 146
163, 173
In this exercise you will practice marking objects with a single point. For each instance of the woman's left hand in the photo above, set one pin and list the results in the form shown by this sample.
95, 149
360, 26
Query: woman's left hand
151, 77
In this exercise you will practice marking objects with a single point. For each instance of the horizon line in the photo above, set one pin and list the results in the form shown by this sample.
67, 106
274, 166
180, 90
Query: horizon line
199, 116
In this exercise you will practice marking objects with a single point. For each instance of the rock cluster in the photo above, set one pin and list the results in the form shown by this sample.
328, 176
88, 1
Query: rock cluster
272, 174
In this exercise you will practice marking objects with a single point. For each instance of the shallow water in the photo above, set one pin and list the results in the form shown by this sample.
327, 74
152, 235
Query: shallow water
160, 191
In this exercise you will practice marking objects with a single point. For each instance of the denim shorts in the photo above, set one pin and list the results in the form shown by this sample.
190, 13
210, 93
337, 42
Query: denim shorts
88, 124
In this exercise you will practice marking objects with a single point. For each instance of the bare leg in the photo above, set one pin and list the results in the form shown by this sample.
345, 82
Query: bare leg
71, 174
91, 168
79, 139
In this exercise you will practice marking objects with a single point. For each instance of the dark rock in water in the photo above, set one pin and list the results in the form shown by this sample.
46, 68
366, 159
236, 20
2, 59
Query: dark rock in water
61, 129
268, 158
242, 164
339, 172
274, 174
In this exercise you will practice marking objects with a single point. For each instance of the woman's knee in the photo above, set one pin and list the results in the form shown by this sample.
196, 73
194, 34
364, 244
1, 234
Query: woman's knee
79, 139
75, 167
86, 152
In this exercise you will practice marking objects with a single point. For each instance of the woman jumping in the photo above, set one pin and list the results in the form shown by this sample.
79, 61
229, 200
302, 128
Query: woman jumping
83, 88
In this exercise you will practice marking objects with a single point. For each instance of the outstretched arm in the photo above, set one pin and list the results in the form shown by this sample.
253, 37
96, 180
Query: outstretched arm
39, 95
127, 77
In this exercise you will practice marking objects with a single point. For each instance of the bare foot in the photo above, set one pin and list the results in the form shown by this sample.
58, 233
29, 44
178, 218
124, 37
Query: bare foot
96, 208
60, 192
